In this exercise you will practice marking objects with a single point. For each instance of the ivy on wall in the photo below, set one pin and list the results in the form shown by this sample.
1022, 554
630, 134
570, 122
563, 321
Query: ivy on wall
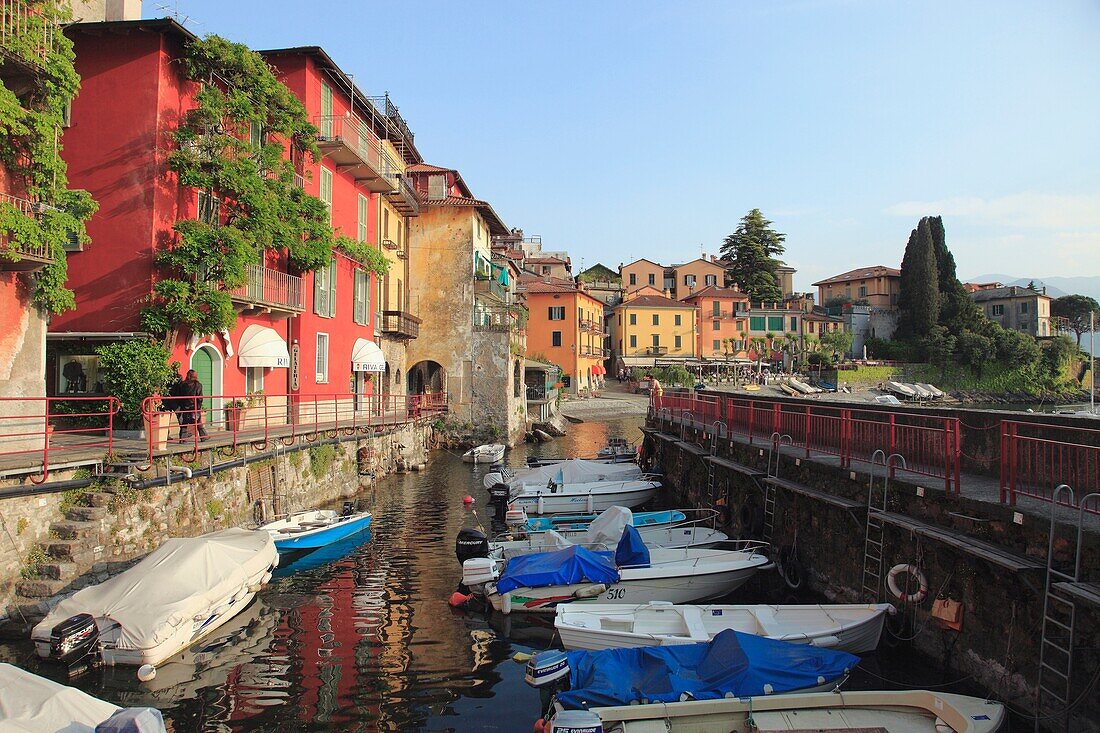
30, 149
233, 148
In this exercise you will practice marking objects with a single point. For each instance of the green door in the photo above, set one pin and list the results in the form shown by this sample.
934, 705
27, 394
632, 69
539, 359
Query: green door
203, 364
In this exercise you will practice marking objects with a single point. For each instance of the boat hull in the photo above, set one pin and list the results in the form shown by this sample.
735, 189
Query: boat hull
567, 503
661, 536
325, 536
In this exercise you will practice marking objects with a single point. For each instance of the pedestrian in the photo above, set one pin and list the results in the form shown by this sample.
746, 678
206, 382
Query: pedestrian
174, 402
191, 406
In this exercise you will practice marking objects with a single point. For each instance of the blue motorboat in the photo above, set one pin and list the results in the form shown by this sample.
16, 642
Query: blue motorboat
316, 528
733, 664
303, 561
573, 522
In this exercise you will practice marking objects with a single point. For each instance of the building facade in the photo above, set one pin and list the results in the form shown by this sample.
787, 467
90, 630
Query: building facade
723, 321
567, 328
653, 326
877, 286
1016, 308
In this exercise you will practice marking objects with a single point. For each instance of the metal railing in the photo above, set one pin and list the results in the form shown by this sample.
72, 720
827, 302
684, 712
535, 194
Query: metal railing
495, 319
356, 139
392, 115
401, 323
490, 285
230, 421
929, 443
266, 286
1037, 458
405, 198
37, 433
656, 350
586, 350
15, 250
25, 31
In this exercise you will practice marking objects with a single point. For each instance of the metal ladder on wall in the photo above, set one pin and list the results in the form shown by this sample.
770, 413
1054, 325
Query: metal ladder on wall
716, 428
769, 487
1059, 620
874, 535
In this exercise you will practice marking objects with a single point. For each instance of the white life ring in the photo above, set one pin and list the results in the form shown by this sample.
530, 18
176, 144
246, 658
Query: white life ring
896, 591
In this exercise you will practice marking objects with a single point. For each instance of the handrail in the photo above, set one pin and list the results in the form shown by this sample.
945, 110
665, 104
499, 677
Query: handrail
27, 434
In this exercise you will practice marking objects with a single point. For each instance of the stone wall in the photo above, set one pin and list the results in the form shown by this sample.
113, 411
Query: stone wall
54, 543
22, 365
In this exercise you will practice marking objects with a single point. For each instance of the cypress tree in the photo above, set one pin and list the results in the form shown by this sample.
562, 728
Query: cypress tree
919, 296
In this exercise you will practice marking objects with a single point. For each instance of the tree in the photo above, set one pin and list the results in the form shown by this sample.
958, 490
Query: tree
957, 310
1076, 310
919, 296
134, 370
751, 251
837, 343
939, 345
1015, 348
975, 350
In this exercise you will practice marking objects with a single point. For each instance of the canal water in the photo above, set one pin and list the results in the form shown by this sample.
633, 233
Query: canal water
359, 636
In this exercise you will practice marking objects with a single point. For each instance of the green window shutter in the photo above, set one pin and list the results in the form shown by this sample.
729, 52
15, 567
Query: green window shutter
326, 111
320, 291
775, 323
332, 289
756, 323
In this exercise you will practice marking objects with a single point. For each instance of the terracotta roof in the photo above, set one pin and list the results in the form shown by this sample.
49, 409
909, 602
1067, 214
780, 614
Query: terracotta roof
428, 168
545, 260
1010, 291
713, 291
655, 301
496, 224
643, 259
862, 273
540, 286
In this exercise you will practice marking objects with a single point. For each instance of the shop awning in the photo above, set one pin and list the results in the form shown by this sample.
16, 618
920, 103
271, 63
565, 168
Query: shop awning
598, 369
261, 346
367, 357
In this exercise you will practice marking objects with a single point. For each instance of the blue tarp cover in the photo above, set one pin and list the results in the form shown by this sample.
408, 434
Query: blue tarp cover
732, 663
631, 551
563, 567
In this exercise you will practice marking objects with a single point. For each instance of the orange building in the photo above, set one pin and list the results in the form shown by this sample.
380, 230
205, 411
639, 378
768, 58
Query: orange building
877, 285
642, 273
692, 277
565, 327
723, 321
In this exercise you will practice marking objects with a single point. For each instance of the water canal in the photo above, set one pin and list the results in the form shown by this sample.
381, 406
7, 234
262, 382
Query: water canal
359, 637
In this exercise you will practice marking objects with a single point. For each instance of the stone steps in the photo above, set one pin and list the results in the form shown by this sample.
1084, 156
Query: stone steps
77, 551
86, 513
58, 571
40, 587
99, 498
70, 530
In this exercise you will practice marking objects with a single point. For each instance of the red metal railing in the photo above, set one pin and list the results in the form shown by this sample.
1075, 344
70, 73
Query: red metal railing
929, 444
232, 420
1036, 458
37, 432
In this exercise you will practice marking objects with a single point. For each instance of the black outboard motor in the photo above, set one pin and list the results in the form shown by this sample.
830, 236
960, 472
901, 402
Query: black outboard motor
348, 510
74, 644
471, 543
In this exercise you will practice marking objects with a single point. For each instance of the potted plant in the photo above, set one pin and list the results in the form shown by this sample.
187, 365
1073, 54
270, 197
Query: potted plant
137, 372
233, 411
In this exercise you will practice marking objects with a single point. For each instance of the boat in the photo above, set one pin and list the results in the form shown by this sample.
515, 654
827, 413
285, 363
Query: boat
307, 560
33, 704
489, 453
588, 497
633, 574
570, 522
853, 628
315, 528
884, 711
751, 388
730, 665
788, 389
569, 471
604, 532
803, 387
922, 393
936, 392
887, 399
179, 593
899, 389
617, 450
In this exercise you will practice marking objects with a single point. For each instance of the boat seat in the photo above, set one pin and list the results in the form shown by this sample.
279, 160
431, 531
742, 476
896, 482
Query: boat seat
616, 624
318, 523
292, 530
774, 627
693, 620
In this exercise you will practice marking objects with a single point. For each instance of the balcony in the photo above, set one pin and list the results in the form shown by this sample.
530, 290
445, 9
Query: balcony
486, 284
269, 291
594, 351
26, 39
389, 244
400, 324
404, 199
17, 256
656, 350
590, 325
501, 320
355, 150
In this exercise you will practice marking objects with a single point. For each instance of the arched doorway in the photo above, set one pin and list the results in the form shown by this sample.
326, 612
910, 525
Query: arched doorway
426, 377
207, 362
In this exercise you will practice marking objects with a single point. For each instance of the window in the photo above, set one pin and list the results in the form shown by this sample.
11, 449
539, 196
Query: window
326, 191
210, 209
756, 323
998, 310
676, 342
324, 290
1023, 307
361, 298
863, 291
253, 380
322, 358
633, 319
710, 279
385, 223
633, 342
555, 338
717, 308
775, 323
656, 319
794, 324
546, 269
556, 313
633, 279
326, 111
656, 339
675, 320
256, 135
716, 345
437, 187
361, 232
716, 325
689, 280
652, 279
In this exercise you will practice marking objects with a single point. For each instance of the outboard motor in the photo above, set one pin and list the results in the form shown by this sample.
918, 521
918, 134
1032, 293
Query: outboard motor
348, 510
471, 543
548, 672
74, 644
574, 721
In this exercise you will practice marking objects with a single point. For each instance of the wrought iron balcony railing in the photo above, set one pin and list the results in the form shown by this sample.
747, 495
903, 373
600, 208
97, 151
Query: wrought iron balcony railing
492, 286
25, 32
16, 254
355, 149
270, 289
400, 324
656, 350
404, 198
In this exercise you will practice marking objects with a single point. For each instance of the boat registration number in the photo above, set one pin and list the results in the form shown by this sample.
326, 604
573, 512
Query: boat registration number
616, 594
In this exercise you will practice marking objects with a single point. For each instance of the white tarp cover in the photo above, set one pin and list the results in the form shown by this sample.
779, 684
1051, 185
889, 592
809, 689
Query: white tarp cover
33, 704
577, 471
367, 357
607, 529
179, 580
261, 346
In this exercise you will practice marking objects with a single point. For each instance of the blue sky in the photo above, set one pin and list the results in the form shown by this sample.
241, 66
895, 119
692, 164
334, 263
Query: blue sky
620, 130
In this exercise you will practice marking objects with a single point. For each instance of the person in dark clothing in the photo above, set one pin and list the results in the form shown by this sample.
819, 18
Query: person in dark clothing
190, 409
174, 401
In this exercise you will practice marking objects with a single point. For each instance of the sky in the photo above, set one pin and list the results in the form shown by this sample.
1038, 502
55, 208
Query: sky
620, 130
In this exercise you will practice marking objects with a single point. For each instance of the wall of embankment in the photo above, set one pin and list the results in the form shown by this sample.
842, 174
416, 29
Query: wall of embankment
54, 542
970, 551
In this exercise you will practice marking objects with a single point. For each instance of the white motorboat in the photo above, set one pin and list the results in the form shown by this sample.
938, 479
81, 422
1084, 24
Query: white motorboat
618, 450
678, 576
887, 399
803, 387
179, 593
882, 711
575, 470
935, 393
922, 393
489, 453
594, 496
33, 704
900, 389
853, 628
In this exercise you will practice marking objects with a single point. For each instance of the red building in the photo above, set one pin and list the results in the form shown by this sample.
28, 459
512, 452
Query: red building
312, 334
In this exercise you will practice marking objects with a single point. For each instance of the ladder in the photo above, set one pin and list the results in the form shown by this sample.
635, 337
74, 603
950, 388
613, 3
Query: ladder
1054, 684
874, 535
769, 486
716, 427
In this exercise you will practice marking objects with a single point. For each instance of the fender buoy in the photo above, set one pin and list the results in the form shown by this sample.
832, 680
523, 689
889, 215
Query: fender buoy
897, 592
458, 600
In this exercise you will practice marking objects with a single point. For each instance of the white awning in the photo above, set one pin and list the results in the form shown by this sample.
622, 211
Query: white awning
261, 346
367, 357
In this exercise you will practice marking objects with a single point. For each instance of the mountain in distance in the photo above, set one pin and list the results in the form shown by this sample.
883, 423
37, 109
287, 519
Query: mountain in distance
1056, 286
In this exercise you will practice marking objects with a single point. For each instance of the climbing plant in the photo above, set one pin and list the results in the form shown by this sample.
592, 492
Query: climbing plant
233, 148
30, 150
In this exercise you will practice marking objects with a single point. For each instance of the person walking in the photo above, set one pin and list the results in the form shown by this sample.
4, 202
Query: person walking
174, 402
190, 410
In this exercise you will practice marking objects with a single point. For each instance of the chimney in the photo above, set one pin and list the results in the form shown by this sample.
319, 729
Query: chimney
94, 11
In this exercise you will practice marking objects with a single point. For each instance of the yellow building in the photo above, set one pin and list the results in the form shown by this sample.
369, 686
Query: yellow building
653, 325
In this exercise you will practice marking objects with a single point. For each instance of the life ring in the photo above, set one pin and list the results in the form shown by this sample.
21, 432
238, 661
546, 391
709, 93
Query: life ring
897, 592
